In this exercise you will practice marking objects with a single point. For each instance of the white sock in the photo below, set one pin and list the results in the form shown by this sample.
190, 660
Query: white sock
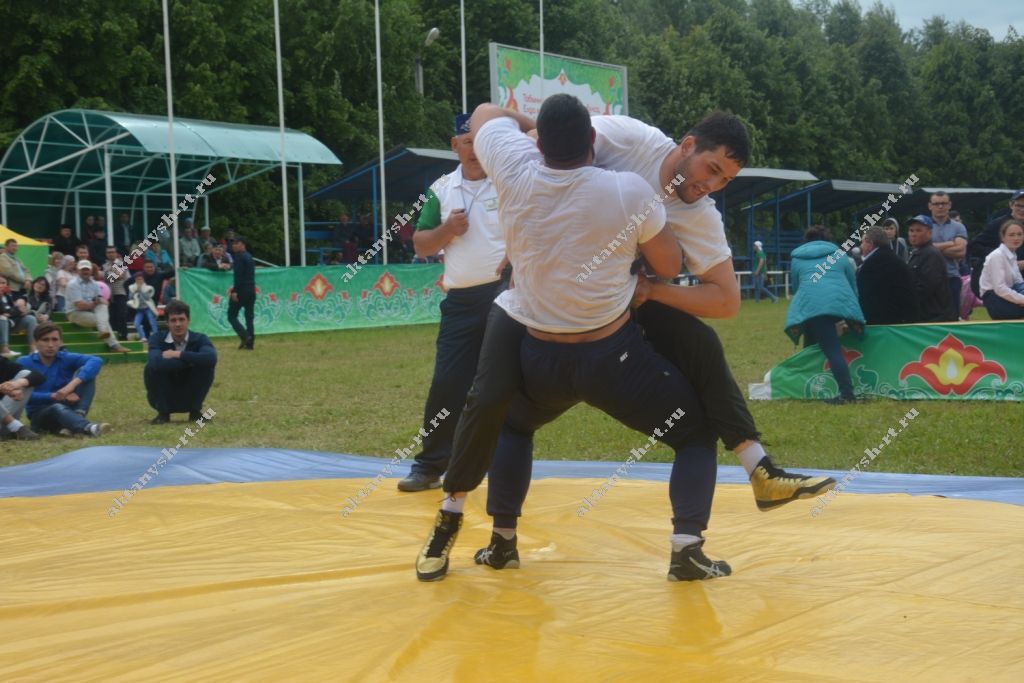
14, 425
507, 534
750, 456
453, 504
680, 541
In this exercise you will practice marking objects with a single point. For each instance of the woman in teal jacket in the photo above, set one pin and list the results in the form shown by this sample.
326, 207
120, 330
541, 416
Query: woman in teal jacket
825, 284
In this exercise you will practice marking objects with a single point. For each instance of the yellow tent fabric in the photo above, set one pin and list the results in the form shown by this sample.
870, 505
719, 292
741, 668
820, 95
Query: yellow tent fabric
268, 581
6, 234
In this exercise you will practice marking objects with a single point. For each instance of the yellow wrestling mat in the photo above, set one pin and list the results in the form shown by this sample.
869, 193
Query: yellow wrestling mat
268, 582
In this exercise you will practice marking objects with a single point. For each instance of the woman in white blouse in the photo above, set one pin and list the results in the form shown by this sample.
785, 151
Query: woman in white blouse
1001, 284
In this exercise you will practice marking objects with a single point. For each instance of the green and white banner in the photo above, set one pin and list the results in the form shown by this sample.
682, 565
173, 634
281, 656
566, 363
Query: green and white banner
516, 81
317, 298
964, 361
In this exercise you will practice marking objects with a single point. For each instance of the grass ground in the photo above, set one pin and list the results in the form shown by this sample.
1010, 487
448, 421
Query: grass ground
363, 392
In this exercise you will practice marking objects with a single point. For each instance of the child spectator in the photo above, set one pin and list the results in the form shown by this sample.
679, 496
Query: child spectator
141, 298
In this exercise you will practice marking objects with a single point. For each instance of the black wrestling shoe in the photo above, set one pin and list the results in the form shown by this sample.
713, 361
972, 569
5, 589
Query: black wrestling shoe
432, 562
774, 486
500, 554
691, 564
418, 481
160, 419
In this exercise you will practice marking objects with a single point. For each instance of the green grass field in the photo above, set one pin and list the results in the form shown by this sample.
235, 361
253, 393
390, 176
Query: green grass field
363, 392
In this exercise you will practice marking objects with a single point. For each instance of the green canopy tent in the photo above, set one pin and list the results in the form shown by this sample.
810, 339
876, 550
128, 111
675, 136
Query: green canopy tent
78, 161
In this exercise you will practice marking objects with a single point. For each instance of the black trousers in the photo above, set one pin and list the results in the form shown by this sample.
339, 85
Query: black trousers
623, 376
689, 344
694, 347
177, 391
119, 315
246, 300
459, 338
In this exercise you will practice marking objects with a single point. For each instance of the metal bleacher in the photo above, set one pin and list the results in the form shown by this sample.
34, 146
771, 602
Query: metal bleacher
84, 340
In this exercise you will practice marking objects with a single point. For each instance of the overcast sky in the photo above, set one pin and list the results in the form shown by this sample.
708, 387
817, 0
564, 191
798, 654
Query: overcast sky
994, 15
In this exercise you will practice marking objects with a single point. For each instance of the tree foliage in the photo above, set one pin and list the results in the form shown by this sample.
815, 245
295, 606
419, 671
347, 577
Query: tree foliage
825, 85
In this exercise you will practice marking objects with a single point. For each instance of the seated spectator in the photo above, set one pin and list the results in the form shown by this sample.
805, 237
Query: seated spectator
189, 248
60, 282
929, 268
87, 228
153, 277
1001, 284
87, 308
227, 241
98, 246
170, 291
156, 255
179, 372
14, 317
351, 248
823, 306
65, 241
205, 240
60, 404
136, 262
896, 243
82, 254
142, 300
16, 384
123, 232
40, 303
216, 260
11, 267
118, 280
885, 284
989, 240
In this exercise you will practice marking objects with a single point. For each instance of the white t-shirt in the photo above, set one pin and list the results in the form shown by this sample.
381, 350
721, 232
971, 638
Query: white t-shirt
556, 221
471, 258
625, 144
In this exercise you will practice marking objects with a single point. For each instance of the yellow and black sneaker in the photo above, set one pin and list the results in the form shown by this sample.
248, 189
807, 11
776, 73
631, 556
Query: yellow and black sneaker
691, 564
432, 562
774, 486
500, 554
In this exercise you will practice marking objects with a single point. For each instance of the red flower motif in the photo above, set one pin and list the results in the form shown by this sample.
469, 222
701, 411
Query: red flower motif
410, 292
216, 298
386, 284
611, 81
294, 297
951, 367
366, 294
508, 64
273, 297
318, 287
344, 295
849, 354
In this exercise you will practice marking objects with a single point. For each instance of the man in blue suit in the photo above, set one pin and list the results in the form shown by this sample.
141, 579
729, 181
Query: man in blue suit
179, 372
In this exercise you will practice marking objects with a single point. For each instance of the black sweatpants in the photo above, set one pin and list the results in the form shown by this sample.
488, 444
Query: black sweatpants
623, 376
691, 345
464, 313
694, 347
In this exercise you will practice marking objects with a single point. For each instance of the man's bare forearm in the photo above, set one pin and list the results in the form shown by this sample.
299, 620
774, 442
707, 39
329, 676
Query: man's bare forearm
487, 112
706, 300
429, 242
